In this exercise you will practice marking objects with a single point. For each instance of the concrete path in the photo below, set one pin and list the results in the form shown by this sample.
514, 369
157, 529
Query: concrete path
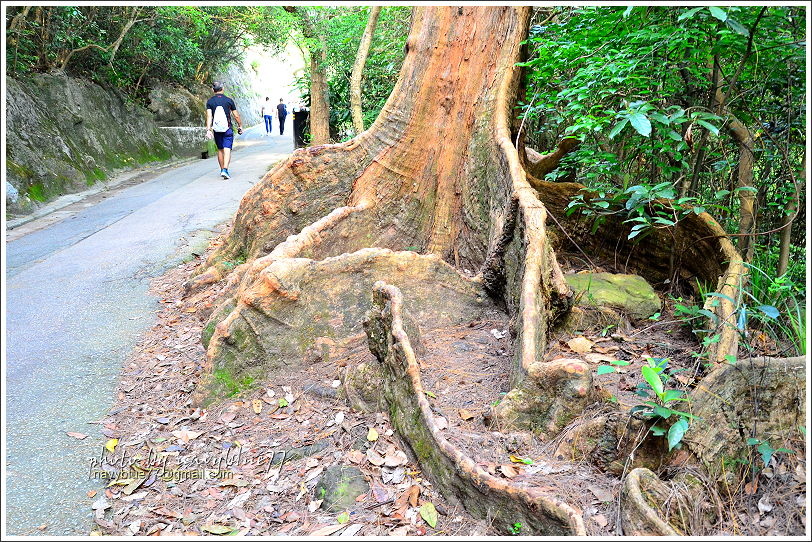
76, 303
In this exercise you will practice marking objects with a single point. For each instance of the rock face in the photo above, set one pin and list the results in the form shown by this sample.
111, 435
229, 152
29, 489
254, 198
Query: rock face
630, 294
176, 106
339, 486
64, 134
240, 86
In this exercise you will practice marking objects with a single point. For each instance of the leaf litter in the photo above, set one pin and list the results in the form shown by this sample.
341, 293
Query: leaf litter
248, 465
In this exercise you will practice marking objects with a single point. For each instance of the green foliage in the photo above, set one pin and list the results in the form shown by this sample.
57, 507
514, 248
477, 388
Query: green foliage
774, 305
173, 44
232, 387
661, 402
634, 86
766, 450
340, 30
645, 207
516, 529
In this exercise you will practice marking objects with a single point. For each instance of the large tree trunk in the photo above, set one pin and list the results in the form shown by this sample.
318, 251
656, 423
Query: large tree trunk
426, 220
358, 70
319, 99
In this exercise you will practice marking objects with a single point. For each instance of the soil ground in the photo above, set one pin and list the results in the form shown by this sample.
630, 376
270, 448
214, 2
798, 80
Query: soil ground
278, 437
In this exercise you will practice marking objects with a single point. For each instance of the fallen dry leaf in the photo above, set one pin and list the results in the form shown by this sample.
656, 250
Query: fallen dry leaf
413, 494
395, 459
375, 458
257, 406
78, 436
580, 345
601, 494
466, 414
598, 358
185, 435
355, 456
328, 530
508, 471
372, 435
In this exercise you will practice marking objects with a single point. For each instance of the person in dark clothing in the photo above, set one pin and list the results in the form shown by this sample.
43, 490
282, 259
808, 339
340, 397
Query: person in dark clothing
281, 112
300, 114
219, 109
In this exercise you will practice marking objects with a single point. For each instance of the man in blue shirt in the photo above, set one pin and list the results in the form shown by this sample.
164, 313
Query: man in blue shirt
218, 125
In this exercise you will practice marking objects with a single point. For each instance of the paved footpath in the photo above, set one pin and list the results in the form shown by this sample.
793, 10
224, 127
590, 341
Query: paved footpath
77, 301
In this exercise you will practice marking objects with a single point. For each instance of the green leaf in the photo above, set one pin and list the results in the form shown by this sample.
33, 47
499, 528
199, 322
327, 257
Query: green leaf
640, 123
653, 379
690, 13
620, 362
753, 441
711, 128
672, 395
659, 117
283, 402
737, 27
217, 529
769, 311
429, 514
343, 517
766, 452
605, 369
663, 412
618, 128
431, 394
717, 12
657, 431
723, 296
746, 189
676, 433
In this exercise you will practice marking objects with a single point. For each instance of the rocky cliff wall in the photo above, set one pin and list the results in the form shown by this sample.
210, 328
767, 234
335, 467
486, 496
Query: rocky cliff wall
65, 134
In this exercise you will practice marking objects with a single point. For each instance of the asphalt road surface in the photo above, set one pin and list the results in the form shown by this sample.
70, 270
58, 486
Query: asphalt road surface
77, 301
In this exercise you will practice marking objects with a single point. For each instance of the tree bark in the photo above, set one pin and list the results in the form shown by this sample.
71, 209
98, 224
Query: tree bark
744, 137
539, 165
358, 70
786, 232
433, 200
319, 100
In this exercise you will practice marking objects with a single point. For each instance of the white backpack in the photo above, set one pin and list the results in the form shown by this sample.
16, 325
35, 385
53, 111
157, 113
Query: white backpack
220, 122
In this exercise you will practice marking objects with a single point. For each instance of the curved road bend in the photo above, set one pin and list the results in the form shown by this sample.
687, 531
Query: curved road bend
76, 303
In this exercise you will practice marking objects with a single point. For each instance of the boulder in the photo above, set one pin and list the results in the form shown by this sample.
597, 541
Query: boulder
339, 486
629, 294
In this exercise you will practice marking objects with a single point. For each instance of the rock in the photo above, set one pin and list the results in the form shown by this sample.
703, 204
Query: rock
11, 193
65, 134
339, 486
630, 294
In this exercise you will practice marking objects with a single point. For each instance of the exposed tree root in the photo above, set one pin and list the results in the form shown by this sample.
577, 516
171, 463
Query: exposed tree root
435, 203
457, 474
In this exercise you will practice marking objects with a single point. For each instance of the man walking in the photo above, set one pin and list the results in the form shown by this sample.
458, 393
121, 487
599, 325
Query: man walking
218, 123
267, 114
281, 112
